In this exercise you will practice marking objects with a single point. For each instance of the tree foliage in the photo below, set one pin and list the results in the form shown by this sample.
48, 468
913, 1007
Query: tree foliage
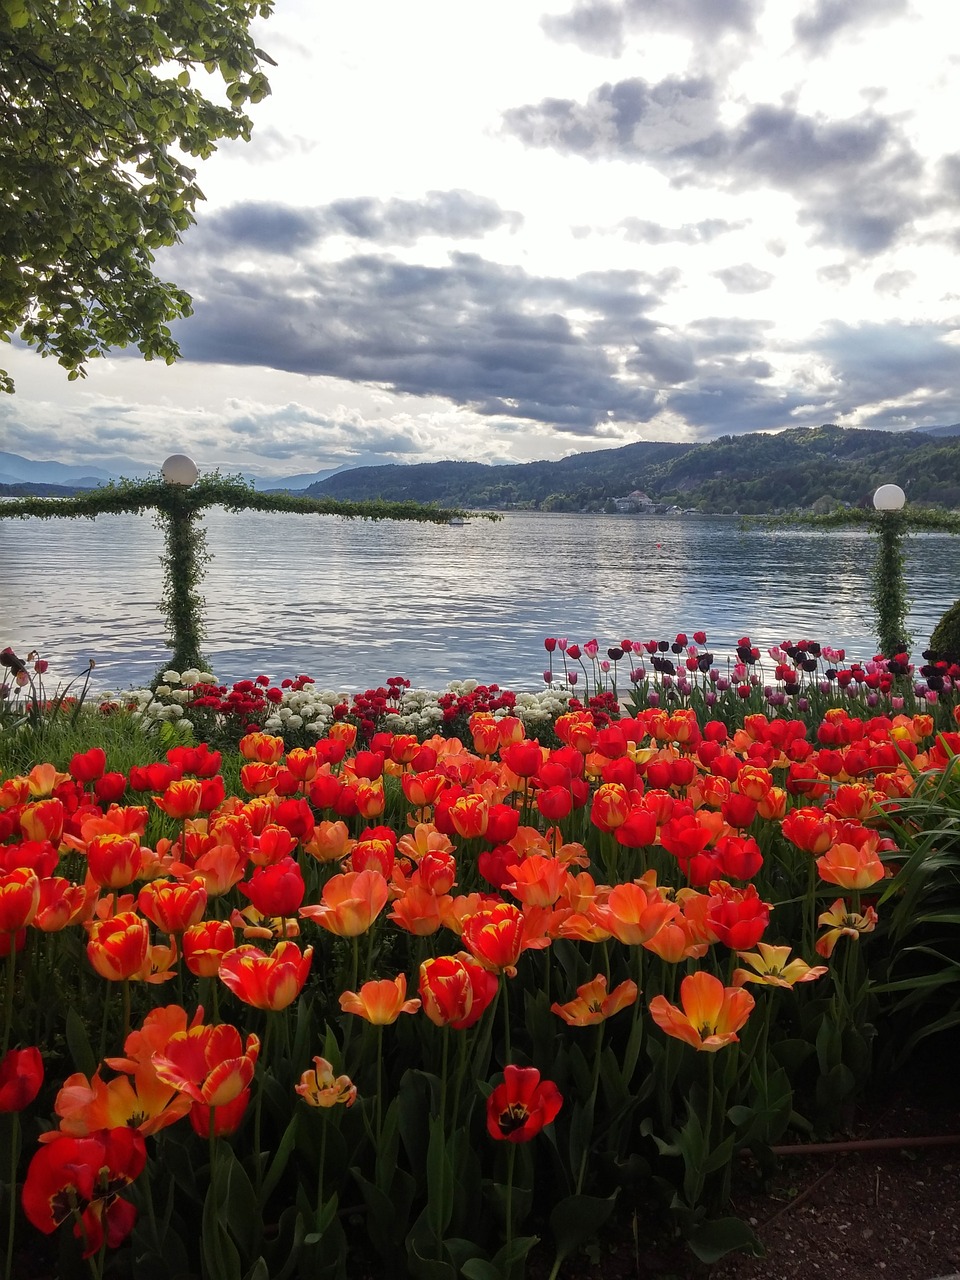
101, 101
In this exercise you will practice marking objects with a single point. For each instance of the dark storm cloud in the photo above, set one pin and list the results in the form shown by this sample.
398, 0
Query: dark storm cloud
601, 26
816, 27
642, 231
856, 181
277, 228
481, 334
744, 278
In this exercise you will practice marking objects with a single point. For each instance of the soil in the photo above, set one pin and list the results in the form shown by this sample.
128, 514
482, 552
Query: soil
891, 1212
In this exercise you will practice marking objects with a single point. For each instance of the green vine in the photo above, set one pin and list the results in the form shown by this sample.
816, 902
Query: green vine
178, 509
889, 594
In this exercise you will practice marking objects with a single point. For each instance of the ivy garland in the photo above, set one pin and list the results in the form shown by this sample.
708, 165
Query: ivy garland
178, 509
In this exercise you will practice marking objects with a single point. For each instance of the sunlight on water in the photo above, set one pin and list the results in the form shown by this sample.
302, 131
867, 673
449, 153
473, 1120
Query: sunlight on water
353, 602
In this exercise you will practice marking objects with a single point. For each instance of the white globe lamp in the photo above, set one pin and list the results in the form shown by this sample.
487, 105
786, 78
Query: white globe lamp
179, 469
889, 497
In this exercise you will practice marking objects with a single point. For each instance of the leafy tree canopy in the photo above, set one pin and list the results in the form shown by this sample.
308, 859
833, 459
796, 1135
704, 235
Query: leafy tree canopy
99, 108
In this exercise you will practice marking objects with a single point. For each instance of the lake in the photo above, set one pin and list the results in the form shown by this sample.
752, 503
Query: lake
354, 602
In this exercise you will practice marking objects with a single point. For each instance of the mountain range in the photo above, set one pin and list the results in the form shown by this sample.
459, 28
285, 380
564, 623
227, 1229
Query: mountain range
16, 470
754, 473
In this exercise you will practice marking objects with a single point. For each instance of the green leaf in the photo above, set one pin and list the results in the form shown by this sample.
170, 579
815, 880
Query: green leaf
577, 1219
713, 1239
78, 1042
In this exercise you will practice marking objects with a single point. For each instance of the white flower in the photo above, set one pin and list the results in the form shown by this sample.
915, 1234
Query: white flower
294, 722
274, 722
171, 677
207, 677
190, 677
184, 724
164, 691
182, 696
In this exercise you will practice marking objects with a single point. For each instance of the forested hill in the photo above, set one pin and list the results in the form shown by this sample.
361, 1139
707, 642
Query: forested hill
751, 474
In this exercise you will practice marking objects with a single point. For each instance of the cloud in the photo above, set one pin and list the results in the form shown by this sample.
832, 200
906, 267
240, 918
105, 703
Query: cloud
485, 336
893, 283
817, 26
601, 26
642, 231
629, 119
855, 181
898, 367
283, 229
744, 278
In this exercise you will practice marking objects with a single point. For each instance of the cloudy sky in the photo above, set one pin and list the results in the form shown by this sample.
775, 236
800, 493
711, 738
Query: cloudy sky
521, 230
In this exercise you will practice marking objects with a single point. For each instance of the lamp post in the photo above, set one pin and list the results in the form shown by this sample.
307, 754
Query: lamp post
182, 563
889, 589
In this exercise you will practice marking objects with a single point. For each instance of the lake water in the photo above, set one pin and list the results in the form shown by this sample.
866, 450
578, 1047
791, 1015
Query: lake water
353, 602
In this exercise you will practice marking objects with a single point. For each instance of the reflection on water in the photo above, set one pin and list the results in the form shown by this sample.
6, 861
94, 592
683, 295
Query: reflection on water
353, 602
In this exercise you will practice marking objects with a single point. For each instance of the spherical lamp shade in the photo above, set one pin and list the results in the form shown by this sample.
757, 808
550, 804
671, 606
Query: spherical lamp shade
179, 469
889, 497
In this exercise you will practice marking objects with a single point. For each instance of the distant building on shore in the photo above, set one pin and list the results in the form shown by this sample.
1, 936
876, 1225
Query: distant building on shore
635, 501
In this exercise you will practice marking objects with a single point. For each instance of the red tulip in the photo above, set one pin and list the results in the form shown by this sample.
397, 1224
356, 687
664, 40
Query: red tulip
520, 1107
21, 1075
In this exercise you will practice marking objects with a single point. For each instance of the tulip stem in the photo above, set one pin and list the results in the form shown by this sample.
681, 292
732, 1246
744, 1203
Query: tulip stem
8, 993
511, 1158
507, 1053
379, 1086
12, 1212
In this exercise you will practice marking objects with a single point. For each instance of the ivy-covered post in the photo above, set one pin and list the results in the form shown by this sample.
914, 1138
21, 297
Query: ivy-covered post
889, 589
183, 562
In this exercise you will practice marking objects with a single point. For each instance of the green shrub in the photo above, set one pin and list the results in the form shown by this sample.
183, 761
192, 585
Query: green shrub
945, 640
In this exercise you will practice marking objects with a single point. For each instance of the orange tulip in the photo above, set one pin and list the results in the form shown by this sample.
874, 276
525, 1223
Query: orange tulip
851, 866
330, 842
262, 747
537, 881
351, 902
204, 946
593, 1004
114, 860
117, 947
712, 1014
371, 799
19, 899
380, 1002
62, 903
321, 1088
456, 990
173, 906
181, 799
633, 912
209, 1064
498, 935
418, 910
43, 820
469, 815
266, 981
611, 806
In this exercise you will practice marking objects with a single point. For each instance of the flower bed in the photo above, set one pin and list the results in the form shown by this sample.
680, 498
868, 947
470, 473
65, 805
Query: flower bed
284, 1006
